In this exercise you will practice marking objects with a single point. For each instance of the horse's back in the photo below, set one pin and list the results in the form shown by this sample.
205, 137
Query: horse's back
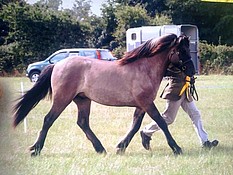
80, 74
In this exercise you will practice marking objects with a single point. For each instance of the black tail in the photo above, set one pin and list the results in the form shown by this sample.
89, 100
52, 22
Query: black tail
33, 96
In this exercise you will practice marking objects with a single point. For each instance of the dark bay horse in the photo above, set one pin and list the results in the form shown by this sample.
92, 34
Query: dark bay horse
131, 81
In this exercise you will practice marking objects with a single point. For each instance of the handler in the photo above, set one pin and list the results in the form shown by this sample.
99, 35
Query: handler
177, 93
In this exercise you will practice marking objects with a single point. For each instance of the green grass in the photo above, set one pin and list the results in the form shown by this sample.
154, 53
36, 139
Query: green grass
67, 150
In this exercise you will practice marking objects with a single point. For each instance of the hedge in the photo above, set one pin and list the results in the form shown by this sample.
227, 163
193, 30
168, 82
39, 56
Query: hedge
215, 59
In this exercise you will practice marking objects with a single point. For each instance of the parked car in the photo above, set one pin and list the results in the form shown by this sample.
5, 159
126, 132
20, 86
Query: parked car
33, 70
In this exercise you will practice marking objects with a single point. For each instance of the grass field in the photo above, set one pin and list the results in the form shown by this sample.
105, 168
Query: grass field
67, 150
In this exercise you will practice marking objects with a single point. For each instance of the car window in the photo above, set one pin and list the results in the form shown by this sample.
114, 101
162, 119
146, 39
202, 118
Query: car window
74, 53
58, 57
89, 53
106, 55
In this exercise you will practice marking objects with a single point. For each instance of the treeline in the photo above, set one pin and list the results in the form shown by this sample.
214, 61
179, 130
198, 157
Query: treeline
215, 59
30, 33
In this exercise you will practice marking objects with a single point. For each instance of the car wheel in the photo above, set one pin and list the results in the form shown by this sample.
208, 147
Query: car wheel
34, 76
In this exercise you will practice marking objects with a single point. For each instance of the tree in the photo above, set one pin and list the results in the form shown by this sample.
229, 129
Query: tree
96, 27
207, 16
35, 33
109, 22
82, 9
225, 34
50, 4
4, 29
153, 7
210, 18
127, 17
5, 2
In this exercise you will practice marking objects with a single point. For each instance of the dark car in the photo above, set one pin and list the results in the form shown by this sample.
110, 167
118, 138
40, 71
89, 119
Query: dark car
33, 70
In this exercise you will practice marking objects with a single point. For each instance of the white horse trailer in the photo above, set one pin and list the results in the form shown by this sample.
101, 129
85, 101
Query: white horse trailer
138, 35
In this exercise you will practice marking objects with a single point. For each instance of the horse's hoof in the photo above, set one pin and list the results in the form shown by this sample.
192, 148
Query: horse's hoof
178, 151
31, 148
102, 152
120, 151
35, 150
33, 154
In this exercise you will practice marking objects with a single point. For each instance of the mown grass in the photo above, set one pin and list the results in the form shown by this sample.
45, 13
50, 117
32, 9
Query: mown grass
67, 150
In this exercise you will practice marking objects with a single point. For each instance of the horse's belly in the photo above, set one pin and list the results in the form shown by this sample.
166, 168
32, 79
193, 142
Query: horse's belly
112, 98
121, 97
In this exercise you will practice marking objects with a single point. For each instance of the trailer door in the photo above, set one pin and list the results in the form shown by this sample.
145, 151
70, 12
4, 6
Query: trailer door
133, 38
167, 29
192, 32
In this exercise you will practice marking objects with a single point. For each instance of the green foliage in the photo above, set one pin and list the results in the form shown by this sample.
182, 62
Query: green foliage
212, 19
216, 59
4, 29
119, 51
153, 7
50, 4
32, 32
110, 24
94, 28
224, 29
36, 32
160, 19
128, 17
81, 9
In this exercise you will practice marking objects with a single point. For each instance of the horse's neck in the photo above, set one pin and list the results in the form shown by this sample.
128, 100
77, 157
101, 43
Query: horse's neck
158, 65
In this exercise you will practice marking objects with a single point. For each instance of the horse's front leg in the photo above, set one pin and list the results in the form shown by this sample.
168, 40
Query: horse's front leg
136, 123
155, 115
84, 105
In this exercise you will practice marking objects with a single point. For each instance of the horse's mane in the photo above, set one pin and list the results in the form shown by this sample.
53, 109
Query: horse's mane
183, 40
149, 48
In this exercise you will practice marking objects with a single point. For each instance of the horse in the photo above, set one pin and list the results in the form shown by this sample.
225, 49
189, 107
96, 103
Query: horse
131, 81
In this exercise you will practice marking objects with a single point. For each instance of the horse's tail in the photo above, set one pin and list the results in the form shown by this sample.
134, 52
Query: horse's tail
33, 96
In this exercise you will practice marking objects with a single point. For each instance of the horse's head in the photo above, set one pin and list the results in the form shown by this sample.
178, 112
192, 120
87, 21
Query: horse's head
180, 55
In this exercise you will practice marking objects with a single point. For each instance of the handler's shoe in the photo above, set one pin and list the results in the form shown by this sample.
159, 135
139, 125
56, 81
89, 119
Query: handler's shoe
209, 144
145, 140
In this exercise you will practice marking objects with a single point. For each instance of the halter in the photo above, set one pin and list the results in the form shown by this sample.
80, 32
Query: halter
189, 86
182, 64
177, 60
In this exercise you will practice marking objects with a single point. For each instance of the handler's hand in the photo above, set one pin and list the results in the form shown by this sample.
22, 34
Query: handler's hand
192, 80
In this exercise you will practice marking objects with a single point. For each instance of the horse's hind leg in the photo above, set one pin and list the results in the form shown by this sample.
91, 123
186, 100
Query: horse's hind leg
49, 119
84, 105
136, 123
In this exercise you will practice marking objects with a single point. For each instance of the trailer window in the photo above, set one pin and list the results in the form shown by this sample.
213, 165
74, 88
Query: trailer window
133, 36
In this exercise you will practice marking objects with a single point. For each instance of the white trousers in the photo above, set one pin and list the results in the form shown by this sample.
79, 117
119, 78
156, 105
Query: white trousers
170, 113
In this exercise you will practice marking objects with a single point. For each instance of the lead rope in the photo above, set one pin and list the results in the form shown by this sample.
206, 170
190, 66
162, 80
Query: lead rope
186, 85
193, 91
189, 88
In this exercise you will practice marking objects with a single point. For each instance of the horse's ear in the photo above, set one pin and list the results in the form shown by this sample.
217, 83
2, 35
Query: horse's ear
173, 42
179, 40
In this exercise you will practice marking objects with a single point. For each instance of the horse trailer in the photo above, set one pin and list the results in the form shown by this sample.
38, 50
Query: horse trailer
138, 35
